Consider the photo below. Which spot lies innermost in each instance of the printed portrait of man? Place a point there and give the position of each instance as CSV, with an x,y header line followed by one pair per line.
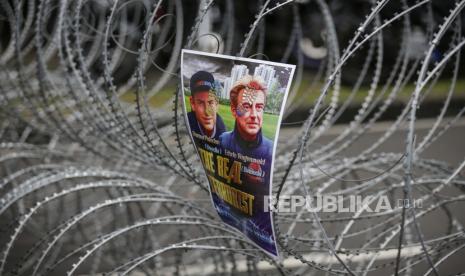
x,y
247,100
203,118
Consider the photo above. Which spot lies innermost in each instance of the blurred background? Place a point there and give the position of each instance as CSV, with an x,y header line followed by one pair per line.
x,y
98,174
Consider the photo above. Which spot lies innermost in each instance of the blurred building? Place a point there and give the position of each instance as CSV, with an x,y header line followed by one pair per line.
x,y
237,72
267,73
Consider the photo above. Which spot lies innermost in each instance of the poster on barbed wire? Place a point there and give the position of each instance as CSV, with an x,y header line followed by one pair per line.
x,y
233,109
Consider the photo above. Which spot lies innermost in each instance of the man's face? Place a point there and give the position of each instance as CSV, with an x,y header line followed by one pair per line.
x,y
249,112
205,106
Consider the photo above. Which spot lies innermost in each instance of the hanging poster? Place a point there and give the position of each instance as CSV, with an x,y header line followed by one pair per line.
x,y
234,108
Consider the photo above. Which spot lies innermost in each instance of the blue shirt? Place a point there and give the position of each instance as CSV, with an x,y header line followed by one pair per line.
x,y
262,147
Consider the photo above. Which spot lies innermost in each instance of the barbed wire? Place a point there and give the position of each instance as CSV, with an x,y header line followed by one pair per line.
x,y
99,175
